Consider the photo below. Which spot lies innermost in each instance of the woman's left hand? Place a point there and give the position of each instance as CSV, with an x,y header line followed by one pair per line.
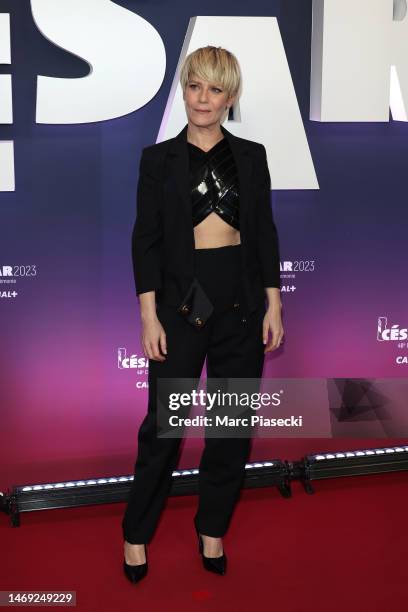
x,y
273,322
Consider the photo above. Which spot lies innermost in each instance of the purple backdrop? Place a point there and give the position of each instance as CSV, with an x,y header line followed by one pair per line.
x,y
70,408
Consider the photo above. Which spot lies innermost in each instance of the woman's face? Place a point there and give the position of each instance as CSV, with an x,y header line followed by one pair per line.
x,y
205,102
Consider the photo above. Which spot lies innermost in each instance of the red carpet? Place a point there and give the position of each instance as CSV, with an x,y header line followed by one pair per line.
x,y
342,549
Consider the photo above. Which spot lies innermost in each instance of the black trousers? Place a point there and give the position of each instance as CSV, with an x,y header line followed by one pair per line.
x,y
231,340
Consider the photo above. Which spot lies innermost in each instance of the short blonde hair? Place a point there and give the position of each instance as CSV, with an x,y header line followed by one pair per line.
x,y
215,65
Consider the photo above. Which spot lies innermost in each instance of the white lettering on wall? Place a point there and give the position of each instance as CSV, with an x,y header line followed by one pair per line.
x,y
359,70
125,53
359,60
7,182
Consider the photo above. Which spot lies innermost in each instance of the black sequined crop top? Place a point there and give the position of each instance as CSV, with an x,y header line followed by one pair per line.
x,y
214,183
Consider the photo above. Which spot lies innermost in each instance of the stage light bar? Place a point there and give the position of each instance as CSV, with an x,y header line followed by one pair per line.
x,y
42,496
354,463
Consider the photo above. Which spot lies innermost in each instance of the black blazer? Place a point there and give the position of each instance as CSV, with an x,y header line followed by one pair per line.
x,y
163,234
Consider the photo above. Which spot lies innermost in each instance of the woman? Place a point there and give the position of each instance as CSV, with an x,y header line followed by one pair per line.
x,y
205,256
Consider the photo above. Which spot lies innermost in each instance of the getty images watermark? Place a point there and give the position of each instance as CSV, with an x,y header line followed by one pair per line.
x,y
221,408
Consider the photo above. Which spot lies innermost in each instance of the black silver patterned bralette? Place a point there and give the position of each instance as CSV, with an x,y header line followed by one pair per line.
x,y
214,183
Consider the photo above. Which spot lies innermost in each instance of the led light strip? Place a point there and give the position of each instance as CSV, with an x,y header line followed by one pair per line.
x,y
361,453
113,480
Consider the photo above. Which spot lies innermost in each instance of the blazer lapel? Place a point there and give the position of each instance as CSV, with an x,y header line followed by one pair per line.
x,y
178,151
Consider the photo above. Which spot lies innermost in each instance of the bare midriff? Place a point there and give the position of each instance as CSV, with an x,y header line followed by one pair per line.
x,y
214,232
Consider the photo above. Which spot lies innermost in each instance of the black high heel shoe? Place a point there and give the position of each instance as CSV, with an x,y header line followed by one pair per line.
x,y
218,565
136,572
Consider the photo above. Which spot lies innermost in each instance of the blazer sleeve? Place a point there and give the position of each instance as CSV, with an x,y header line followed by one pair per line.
x,y
267,236
147,230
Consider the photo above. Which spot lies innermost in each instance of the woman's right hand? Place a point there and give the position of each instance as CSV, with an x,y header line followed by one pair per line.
x,y
153,338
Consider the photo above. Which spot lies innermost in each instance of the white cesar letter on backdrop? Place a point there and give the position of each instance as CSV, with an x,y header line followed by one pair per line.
x,y
267,109
359,60
113,41
399,63
6,108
